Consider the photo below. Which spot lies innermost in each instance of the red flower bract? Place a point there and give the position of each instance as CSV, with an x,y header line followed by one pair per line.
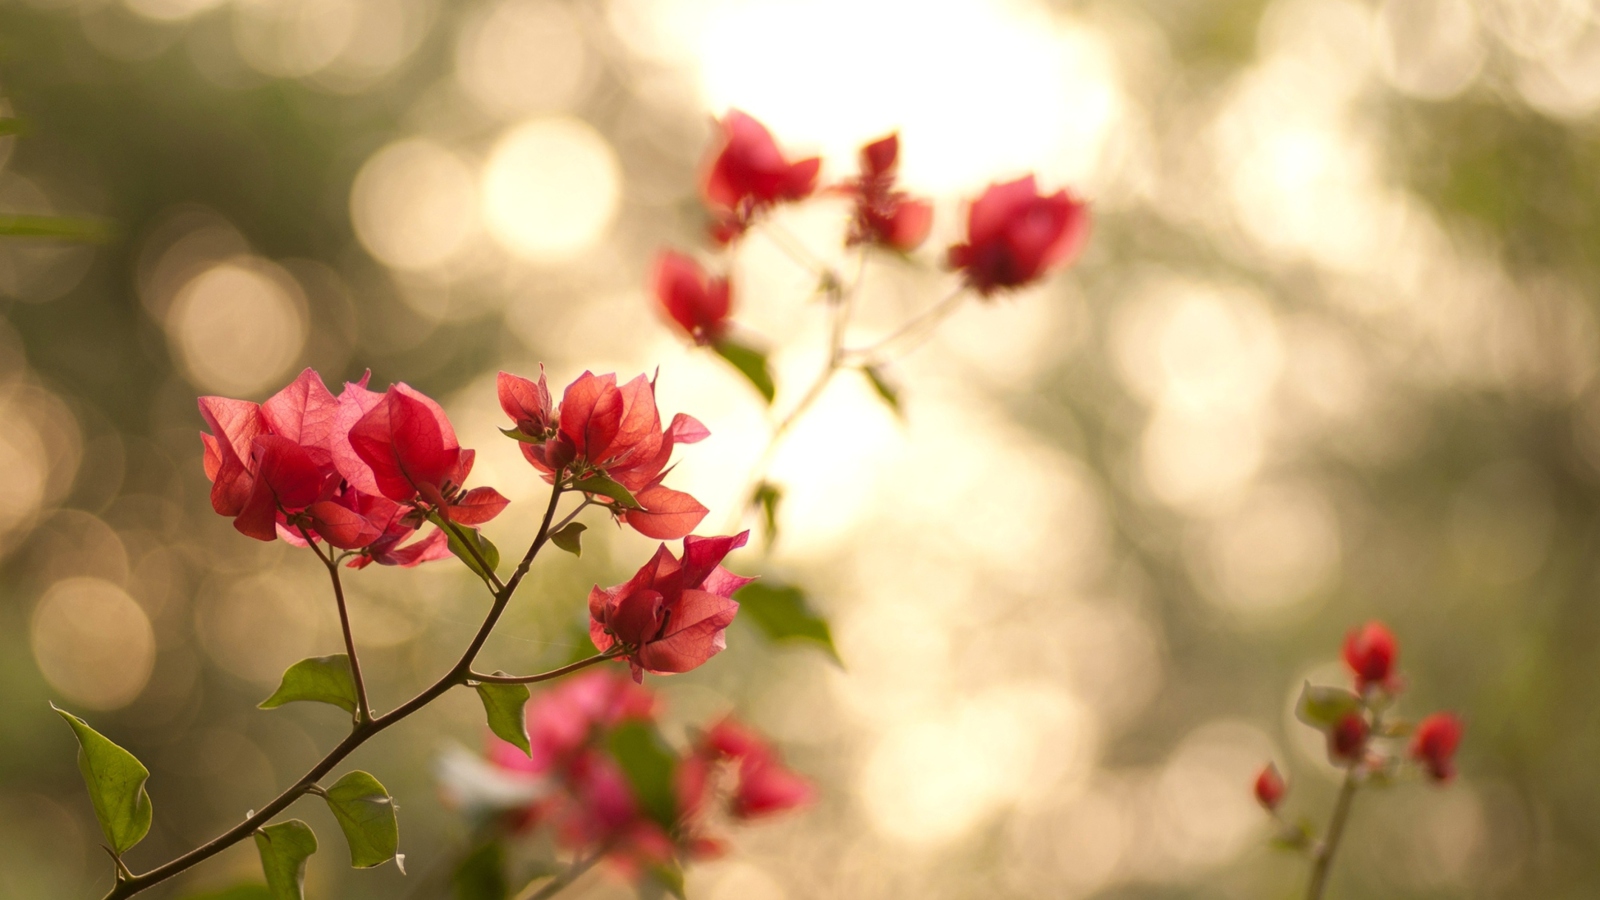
x,y
748,174
698,303
411,450
1434,744
1348,738
1370,653
1015,234
603,429
883,215
672,614
1270,787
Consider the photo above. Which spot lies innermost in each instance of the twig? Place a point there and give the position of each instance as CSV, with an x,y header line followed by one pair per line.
x,y
363,708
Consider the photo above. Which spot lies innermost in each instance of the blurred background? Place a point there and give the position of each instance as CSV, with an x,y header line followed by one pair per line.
x,y
1331,356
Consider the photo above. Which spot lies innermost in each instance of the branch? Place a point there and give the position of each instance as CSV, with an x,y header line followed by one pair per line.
x,y
560,882
363,732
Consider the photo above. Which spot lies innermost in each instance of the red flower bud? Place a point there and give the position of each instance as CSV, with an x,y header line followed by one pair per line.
x,y
1270,787
883,215
1370,652
1015,234
691,298
1434,744
1348,738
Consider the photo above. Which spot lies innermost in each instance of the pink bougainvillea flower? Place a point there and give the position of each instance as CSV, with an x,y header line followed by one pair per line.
x,y
390,548
407,443
748,175
761,785
672,615
1270,787
1015,235
528,405
1370,652
1434,744
603,429
882,215
697,302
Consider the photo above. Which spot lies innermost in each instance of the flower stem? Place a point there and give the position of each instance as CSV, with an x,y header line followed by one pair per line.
x,y
363,708
920,326
459,674
568,669
560,882
1322,857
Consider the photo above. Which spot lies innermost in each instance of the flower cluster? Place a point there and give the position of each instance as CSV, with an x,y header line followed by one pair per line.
x,y
602,437
1015,235
361,471
1353,723
600,778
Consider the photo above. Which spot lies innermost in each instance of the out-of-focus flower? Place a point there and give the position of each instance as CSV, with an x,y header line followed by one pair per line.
x,y
697,302
408,445
1434,744
1370,652
1270,787
882,215
1015,235
672,615
1348,738
603,429
748,175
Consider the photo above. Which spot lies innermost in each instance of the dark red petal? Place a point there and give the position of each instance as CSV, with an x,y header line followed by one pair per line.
x,y
258,517
879,157
343,528
523,400
290,472
591,409
909,225
702,555
636,618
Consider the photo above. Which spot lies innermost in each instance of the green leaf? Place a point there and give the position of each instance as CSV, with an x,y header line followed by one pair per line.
x,y
1296,837
649,765
750,362
570,538
116,786
248,891
517,435
485,547
605,487
1323,707
366,813
482,874
320,679
64,228
889,393
766,497
663,880
284,848
11,126
504,704
782,614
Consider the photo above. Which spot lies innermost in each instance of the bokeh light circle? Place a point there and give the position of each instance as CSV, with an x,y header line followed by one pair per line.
x,y
93,643
238,327
551,189
414,204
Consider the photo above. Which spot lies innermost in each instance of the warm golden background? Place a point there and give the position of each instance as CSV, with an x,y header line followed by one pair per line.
x,y
1331,355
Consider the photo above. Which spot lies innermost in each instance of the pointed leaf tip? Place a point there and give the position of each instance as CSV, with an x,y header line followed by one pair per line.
x,y
504,705
570,538
320,679
782,613
116,781
750,362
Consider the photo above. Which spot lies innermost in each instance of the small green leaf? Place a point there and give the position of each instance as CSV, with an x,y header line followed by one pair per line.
x,y
517,435
503,704
366,813
649,765
482,874
766,497
750,362
116,786
662,881
320,679
889,393
570,538
284,848
485,547
236,892
782,614
605,487
1323,707
63,228
1295,837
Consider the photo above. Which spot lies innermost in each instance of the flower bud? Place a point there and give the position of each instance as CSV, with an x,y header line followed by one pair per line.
x,y
1348,738
1434,744
1370,652
1270,787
